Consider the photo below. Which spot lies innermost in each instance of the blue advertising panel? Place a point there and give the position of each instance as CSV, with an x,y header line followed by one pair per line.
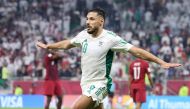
x,y
22,101
167,102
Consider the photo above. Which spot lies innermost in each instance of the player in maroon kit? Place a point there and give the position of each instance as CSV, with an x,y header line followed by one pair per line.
x,y
52,84
138,69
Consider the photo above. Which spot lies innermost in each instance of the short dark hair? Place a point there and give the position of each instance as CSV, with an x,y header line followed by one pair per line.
x,y
99,11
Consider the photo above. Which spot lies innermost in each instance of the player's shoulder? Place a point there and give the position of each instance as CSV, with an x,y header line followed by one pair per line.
x,y
115,38
110,33
82,34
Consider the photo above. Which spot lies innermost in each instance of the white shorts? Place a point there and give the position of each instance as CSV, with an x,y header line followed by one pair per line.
x,y
98,91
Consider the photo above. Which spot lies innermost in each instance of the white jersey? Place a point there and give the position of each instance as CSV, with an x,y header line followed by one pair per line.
x,y
97,55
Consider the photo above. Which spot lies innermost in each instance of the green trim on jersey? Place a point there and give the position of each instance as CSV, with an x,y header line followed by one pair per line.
x,y
109,60
122,41
113,34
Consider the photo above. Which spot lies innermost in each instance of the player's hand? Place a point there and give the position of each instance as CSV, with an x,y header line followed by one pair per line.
x,y
41,45
169,65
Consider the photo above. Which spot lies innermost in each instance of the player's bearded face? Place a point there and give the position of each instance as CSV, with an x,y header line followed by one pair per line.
x,y
92,23
92,29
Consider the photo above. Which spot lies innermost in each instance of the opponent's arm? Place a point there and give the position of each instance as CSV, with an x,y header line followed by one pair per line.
x,y
65,44
143,54
150,80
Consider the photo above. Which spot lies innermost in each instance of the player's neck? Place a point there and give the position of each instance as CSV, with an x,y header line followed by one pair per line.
x,y
96,34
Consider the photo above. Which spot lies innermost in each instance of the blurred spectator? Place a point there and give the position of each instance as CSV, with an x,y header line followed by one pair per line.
x,y
183,90
18,90
66,73
5,76
158,88
81,6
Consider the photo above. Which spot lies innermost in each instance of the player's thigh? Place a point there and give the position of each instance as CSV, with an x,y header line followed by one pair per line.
x,y
84,102
97,91
133,94
141,95
48,87
58,89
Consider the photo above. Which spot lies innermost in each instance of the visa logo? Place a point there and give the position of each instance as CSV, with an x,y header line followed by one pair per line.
x,y
11,101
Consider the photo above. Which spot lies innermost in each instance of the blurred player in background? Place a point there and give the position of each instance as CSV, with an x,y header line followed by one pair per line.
x,y
138,69
98,46
52,84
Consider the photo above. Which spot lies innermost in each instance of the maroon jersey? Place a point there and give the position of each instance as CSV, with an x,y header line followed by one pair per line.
x,y
138,69
51,67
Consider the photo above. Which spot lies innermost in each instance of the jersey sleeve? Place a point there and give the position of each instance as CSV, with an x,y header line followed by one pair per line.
x,y
77,40
120,45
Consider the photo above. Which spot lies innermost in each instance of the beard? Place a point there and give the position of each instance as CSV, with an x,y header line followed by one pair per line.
x,y
92,30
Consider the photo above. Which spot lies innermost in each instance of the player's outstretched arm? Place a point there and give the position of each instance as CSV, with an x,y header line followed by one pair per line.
x,y
65,44
143,54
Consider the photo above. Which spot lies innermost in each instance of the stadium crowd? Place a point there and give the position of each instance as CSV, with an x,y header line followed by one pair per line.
x,y
159,26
